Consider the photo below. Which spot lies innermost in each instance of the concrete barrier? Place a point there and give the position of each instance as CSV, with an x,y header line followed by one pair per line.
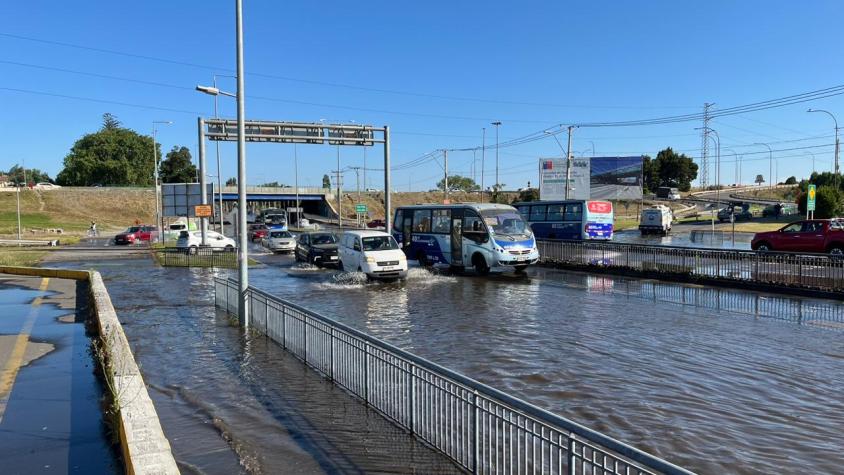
x,y
145,448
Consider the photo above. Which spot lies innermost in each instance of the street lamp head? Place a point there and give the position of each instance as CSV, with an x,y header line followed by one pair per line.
x,y
810,110
496,123
213,91
162,122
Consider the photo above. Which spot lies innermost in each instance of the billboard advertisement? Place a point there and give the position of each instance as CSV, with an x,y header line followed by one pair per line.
x,y
596,178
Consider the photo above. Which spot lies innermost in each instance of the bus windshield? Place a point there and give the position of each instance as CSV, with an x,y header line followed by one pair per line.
x,y
504,222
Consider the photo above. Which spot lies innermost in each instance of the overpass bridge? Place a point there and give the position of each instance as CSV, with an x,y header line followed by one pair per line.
x,y
312,200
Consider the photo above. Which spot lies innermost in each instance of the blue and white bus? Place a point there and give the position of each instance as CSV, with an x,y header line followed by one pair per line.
x,y
471,235
569,219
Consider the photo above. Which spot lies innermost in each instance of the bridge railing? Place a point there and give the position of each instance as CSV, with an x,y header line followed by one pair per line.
x,y
481,429
196,257
816,272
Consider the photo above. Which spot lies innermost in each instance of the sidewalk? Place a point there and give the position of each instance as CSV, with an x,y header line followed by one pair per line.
x,y
50,414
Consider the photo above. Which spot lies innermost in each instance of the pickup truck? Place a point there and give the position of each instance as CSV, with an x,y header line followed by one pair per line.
x,y
814,235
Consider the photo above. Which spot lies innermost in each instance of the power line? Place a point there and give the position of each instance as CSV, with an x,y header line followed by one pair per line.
x,y
101,101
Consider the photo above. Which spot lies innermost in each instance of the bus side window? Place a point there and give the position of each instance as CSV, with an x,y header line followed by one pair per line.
x,y
442,221
537,213
474,228
397,222
422,221
524,210
555,212
574,212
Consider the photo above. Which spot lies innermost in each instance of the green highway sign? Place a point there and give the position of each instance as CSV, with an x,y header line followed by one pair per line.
x,y
360,208
810,201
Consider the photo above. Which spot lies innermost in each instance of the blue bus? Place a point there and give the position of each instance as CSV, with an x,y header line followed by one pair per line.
x,y
469,235
569,219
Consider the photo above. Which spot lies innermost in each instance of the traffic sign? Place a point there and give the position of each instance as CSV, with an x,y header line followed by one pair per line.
x,y
810,202
360,208
202,211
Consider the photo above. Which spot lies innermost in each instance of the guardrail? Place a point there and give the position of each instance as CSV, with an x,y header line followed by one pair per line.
x,y
196,257
814,271
481,429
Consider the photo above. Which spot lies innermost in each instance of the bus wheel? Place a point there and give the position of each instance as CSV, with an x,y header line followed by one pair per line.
x,y
481,268
521,269
423,259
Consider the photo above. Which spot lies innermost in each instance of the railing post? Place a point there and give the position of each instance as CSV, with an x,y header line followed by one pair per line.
x,y
476,447
305,333
266,315
412,398
800,271
572,459
284,326
331,342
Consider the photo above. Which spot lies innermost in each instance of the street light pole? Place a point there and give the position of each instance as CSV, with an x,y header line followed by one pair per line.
x,y
339,193
242,253
483,158
497,182
159,219
837,145
296,183
717,172
445,169
770,164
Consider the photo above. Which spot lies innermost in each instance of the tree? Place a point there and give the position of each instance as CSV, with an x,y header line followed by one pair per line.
x,y
273,184
177,167
458,183
650,171
823,179
326,182
31,175
792,180
674,170
231,181
111,156
829,202
528,194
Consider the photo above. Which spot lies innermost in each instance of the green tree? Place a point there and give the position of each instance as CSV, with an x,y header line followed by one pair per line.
x,y
527,194
675,170
792,180
231,181
458,183
273,184
823,179
326,182
650,172
111,156
177,167
829,202
33,175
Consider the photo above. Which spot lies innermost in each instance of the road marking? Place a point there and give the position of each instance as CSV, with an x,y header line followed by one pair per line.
x,y
10,372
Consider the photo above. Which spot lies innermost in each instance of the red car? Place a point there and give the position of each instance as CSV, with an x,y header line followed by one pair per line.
x,y
814,235
376,223
137,234
258,232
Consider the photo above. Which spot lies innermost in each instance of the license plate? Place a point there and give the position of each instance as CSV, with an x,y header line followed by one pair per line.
x,y
333,258
388,268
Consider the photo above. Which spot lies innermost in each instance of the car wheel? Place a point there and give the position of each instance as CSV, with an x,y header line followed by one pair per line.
x,y
837,251
423,259
481,267
192,250
229,248
340,266
764,247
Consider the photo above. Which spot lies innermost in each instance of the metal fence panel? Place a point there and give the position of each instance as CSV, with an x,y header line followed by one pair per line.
x,y
480,428
816,272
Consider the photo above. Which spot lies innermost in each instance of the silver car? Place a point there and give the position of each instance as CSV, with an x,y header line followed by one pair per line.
x,y
279,241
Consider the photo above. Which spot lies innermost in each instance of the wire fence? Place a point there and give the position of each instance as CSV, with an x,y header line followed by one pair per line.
x,y
481,429
815,272
196,257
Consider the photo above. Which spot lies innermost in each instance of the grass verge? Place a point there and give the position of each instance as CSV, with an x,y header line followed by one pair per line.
x,y
17,257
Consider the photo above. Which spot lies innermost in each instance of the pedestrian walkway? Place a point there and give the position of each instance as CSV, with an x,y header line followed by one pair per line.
x,y
50,399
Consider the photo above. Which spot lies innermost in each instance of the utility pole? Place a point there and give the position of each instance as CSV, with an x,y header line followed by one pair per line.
x,y
339,192
704,147
497,182
568,163
296,183
483,157
18,193
357,179
364,167
242,250
445,168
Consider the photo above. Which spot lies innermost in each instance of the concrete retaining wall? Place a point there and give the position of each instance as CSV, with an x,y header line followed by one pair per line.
x,y
145,448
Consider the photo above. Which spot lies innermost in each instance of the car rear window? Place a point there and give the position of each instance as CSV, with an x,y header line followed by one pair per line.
x,y
323,239
280,234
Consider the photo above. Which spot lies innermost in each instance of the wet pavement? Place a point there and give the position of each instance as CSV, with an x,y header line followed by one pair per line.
x,y
51,419
725,381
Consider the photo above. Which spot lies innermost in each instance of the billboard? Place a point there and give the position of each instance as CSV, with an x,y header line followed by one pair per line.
x,y
180,199
596,178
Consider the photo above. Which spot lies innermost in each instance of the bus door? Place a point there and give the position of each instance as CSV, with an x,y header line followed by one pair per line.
x,y
406,228
457,237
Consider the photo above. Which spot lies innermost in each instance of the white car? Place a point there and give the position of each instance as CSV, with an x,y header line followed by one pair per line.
x,y
46,186
190,241
279,241
375,253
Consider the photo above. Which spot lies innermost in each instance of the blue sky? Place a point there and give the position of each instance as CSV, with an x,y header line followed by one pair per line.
x,y
436,72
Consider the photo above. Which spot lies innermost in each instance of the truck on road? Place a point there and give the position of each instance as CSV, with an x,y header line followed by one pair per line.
x,y
656,220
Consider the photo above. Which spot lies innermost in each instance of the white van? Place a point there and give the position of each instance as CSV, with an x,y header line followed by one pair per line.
x,y
375,253
656,220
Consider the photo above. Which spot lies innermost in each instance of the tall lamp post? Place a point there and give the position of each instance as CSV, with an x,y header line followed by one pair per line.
x,y
568,157
717,172
483,158
159,219
217,146
770,164
497,183
213,91
837,147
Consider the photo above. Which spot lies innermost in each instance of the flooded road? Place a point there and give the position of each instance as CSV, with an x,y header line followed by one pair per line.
x,y
716,383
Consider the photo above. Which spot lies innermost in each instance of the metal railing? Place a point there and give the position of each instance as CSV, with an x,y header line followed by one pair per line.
x,y
198,257
815,272
481,429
